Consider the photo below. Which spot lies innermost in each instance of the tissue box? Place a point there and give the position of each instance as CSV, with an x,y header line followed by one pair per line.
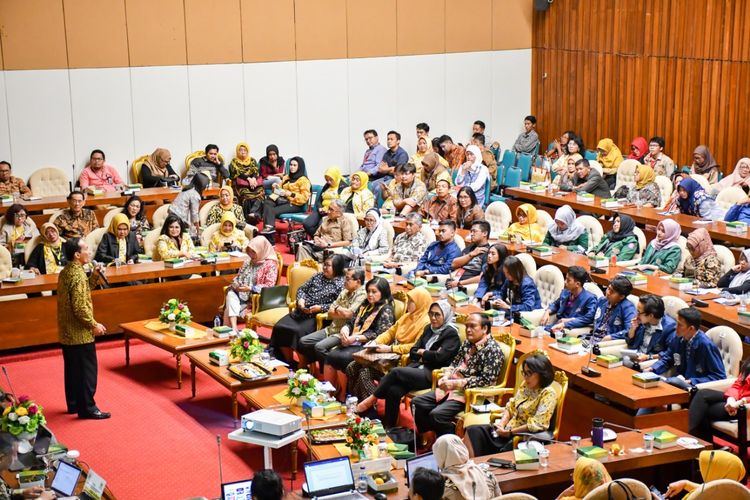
x,y
458,299
222,332
538,188
635,278
415,282
646,380
219,357
681,283
542,250
585,198
664,439
736,227
610,203
525,186
593,452
608,360
526,459
744,317
569,343
595,261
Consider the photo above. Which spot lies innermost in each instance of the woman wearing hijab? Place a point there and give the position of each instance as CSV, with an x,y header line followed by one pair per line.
x,y
118,243
435,348
621,241
260,271
709,405
705,164
638,149
424,146
737,280
468,208
530,411
372,239
48,257
646,191
331,191
609,157
358,197
714,464
673,205
526,227
703,264
228,238
740,177
694,200
371,319
473,173
271,166
564,179
567,232
433,170
464,480
493,277
156,170
588,474
399,339
247,182
225,205
663,253
289,197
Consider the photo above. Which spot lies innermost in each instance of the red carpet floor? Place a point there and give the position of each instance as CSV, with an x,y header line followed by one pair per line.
x,y
159,443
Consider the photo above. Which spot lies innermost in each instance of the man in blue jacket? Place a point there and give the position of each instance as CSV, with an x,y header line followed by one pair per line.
x,y
651,331
576,306
614,312
439,255
692,354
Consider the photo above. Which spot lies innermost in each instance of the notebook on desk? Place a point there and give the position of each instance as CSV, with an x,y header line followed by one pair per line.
x,y
331,479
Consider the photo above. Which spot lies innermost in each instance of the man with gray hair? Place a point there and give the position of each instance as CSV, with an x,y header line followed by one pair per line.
x,y
408,246
335,231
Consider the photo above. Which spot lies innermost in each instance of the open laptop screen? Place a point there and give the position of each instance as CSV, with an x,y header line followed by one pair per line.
x,y
65,479
326,477
427,461
238,490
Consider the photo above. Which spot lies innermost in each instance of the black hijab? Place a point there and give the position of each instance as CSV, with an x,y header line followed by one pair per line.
x,y
301,170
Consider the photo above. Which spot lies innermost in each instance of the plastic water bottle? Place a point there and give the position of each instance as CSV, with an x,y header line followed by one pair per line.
x,y
217,321
362,480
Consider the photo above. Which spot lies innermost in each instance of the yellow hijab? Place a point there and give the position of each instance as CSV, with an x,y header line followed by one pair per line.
x,y
646,176
410,326
613,156
531,231
587,475
43,233
334,172
247,161
363,180
116,221
227,217
231,198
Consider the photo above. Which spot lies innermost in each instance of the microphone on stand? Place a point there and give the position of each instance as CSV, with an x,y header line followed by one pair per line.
x,y
221,474
587,370
633,429
534,437
10,385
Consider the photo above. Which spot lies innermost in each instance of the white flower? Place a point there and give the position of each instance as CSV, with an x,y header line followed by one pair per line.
x,y
24,420
253,334
305,377
12,417
171,317
296,391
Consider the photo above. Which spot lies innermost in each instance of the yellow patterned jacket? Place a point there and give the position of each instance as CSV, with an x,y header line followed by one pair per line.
x,y
75,311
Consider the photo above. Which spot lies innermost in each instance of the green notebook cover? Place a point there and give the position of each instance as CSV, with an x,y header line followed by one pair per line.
x,y
592,452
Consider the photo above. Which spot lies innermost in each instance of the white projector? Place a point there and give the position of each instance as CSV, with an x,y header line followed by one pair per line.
x,y
271,422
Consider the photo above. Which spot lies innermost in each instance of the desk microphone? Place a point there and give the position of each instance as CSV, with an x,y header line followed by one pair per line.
x,y
587,370
534,437
10,385
221,474
633,429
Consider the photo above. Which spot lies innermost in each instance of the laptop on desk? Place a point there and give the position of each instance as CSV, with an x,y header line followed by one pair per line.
x,y
426,460
331,479
238,490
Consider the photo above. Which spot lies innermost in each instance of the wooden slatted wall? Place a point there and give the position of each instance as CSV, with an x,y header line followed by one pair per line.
x,y
623,68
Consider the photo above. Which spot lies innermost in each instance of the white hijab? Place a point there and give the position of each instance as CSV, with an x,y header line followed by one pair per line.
x,y
573,229
477,156
741,277
371,237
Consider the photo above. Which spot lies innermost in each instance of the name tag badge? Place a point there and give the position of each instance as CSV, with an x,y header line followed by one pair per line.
x,y
677,359
598,314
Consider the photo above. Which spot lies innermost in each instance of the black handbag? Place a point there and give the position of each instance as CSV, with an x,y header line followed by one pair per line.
x,y
402,435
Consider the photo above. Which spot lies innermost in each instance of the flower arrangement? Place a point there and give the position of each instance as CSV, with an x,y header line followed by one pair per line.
x,y
245,345
302,385
359,433
175,311
25,416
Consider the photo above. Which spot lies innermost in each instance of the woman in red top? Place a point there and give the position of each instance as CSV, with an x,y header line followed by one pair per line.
x,y
709,406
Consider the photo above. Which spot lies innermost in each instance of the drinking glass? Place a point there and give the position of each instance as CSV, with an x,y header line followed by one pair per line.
x,y
575,441
743,301
648,443
543,457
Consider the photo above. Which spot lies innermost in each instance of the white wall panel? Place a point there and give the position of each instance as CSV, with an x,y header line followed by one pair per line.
x,y
373,95
217,108
4,131
161,111
468,91
511,94
421,96
323,115
102,116
271,108
41,125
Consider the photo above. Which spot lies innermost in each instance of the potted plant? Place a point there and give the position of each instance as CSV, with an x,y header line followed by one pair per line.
x,y
175,312
245,345
302,386
360,432
21,420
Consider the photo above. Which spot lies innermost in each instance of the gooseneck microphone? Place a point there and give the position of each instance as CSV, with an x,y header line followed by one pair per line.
x,y
633,429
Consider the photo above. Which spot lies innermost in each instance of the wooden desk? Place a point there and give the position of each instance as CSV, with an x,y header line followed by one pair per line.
x,y
199,359
170,343
11,480
263,398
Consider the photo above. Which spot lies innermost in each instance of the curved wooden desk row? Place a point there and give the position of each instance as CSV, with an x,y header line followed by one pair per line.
x,y
648,216
33,321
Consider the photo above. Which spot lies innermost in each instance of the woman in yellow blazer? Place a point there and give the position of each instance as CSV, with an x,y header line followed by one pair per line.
x,y
289,197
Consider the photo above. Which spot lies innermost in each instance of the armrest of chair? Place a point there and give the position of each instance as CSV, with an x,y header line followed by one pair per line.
x,y
612,346
436,374
718,385
495,414
628,263
535,317
493,391
577,332
319,319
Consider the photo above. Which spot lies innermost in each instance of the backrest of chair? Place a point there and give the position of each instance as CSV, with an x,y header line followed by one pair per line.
x,y
389,232
280,268
192,156
665,187
593,288
399,308
726,257
524,163
561,388
641,241
593,227
49,181
459,241
550,282
296,277
315,190
160,215
634,300
596,166
53,217
672,305
149,242
544,220
508,346
729,196
528,263
730,347
700,179
621,489
30,246
626,173
110,215
509,158
203,213
461,327
136,167
499,216
6,263
517,495
94,238
353,221
590,155
208,233
720,489
428,233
